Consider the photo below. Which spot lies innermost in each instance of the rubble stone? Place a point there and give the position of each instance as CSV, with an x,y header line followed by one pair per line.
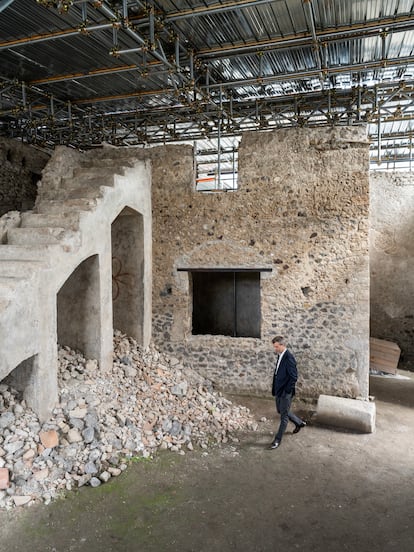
x,y
49,439
104,419
4,478
21,500
6,420
74,436
95,482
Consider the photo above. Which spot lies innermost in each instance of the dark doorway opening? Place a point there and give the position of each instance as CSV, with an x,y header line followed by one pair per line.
x,y
226,303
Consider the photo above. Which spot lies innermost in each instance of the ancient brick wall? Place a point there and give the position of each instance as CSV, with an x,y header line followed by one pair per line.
x,y
20,169
392,260
301,210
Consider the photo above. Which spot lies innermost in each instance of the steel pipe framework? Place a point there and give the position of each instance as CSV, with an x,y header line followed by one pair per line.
x,y
196,90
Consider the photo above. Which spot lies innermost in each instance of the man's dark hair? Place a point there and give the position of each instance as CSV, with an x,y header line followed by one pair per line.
x,y
280,339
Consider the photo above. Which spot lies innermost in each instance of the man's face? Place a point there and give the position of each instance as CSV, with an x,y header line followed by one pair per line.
x,y
278,347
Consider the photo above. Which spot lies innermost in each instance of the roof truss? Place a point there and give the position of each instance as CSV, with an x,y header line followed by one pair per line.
x,y
140,72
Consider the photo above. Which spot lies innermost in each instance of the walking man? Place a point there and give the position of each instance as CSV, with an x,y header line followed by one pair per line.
x,y
283,389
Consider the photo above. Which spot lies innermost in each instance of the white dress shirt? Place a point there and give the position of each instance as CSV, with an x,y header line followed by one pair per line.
x,y
279,359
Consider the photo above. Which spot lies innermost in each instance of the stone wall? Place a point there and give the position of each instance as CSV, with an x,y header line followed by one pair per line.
x,y
20,169
301,210
392,260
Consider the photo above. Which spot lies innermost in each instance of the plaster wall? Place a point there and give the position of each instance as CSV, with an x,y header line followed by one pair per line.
x,y
301,210
392,260
69,286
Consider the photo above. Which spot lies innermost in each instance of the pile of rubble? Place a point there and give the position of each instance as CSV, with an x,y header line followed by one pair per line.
x,y
147,402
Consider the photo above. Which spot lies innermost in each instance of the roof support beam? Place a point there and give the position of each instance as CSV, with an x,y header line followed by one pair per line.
x,y
357,31
353,31
52,36
142,42
307,74
216,8
172,92
249,113
5,4
315,40
315,72
93,73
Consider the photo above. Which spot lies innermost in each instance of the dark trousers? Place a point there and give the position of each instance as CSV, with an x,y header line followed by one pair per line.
x,y
283,407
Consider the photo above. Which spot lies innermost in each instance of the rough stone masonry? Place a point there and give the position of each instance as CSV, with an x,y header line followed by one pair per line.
x,y
302,210
20,171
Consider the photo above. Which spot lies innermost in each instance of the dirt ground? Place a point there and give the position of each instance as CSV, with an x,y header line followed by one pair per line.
x,y
323,490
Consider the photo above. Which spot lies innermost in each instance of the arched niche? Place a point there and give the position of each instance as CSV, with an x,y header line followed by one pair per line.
x,y
79,308
127,236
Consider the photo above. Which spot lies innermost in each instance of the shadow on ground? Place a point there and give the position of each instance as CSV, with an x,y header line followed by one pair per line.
x,y
322,490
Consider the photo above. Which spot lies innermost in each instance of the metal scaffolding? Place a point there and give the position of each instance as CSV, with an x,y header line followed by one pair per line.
x,y
128,72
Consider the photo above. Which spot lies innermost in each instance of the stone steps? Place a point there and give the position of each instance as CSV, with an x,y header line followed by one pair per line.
x,y
43,247
55,221
10,282
95,191
58,207
44,236
108,157
88,193
90,186
70,183
22,253
99,169
107,161
38,220
19,269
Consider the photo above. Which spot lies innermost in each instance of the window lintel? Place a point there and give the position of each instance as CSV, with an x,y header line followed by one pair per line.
x,y
217,269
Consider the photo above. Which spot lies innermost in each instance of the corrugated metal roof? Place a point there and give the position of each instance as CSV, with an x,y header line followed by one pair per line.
x,y
256,65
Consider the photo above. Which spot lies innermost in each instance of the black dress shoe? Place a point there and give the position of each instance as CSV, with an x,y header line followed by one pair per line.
x,y
299,427
274,445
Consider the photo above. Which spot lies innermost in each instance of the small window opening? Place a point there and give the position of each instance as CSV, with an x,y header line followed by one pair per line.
x,y
217,164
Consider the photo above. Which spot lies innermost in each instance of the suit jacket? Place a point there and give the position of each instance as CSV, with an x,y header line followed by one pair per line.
x,y
285,378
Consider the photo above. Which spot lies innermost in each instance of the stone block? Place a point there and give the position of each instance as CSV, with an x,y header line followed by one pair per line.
x,y
345,413
4,478
383,355
78,413
41,475
74,436
49,439
21,500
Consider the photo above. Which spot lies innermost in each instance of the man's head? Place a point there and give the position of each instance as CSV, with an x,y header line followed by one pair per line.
x,y
279,344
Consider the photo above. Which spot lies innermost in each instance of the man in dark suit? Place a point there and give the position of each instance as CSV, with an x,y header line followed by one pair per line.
x,y
283,389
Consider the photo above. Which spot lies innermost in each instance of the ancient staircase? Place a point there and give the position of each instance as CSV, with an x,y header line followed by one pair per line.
x,y
71,222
